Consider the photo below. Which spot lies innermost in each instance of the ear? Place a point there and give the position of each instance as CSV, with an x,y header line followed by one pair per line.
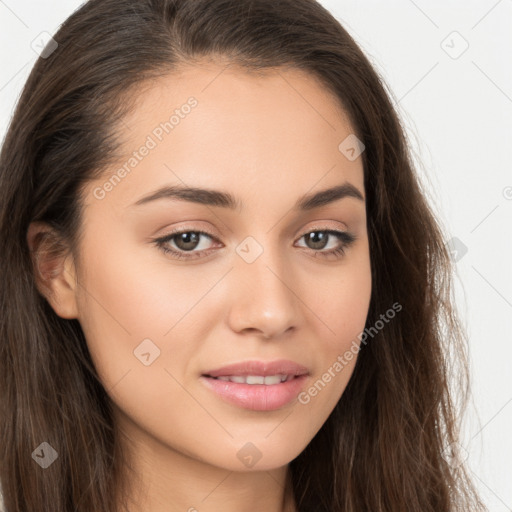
x,y
53,269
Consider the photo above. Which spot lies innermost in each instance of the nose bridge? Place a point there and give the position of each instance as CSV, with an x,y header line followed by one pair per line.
x,y
263,269
263,298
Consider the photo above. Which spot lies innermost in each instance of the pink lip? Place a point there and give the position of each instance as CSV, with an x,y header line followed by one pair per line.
x,y
263,368
258,397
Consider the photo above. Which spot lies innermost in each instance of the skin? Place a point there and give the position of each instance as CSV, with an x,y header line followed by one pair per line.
x,y
267,139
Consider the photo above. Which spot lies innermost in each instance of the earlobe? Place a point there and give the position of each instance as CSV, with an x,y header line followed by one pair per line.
x,y
53,269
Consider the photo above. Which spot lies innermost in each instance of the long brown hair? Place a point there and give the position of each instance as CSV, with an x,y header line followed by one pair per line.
x,y
384,446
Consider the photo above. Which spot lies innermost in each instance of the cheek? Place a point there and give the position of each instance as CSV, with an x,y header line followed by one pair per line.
x,y
121,302
342,310
131,289
131,296
343,302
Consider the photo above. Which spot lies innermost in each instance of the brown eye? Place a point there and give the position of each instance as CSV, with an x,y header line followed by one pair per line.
x,y
184,244
318,240
187,241
187,244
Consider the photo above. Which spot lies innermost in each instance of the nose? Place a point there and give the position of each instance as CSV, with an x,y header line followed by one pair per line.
x,y
262,296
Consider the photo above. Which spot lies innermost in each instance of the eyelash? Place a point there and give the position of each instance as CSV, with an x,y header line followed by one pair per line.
x,y
347,239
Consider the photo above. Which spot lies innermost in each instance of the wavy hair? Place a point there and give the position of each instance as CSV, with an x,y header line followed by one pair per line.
x,y
383,448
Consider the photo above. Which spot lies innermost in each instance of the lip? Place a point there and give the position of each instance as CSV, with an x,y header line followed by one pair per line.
x,y
257,397
264,368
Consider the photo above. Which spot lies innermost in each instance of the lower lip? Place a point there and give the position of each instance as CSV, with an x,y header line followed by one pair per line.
x,y
256,397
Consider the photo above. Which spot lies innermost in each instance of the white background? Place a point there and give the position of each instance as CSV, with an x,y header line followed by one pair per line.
x,y
458,113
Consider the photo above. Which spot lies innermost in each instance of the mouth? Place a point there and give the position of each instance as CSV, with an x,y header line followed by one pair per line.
x,y
257,385
268,380
256,392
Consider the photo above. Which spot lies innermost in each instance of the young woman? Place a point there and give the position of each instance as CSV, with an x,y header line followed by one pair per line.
x,y
223,287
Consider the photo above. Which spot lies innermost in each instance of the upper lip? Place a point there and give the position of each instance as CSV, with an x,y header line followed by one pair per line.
x,y
263,368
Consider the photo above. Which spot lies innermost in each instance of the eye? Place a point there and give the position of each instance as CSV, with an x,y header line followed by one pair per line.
x,y
188,244
185,241
320,239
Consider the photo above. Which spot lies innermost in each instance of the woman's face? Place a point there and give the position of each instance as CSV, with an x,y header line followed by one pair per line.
x,y
263,284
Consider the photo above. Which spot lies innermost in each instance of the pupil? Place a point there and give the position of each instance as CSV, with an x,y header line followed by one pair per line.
x,y
318,237
187,238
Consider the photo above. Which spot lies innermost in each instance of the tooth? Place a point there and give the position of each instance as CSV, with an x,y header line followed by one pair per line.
x,y
269,380
255,379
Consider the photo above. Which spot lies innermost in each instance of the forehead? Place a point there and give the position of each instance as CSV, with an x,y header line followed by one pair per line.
x,y
219,126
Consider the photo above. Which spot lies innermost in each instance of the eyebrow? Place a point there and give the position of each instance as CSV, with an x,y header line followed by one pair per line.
x,y
226,200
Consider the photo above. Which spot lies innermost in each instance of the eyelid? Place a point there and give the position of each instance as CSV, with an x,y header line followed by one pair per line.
x,y
186,229
196,229
324,227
